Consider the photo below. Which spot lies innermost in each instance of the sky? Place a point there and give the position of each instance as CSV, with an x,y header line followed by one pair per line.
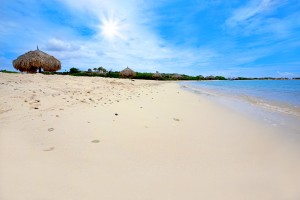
x,y
253,38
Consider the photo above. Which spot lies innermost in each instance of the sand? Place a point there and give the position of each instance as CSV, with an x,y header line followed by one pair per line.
x,y
75,138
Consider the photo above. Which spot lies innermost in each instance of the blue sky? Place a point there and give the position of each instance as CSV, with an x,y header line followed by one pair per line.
x,y
252,38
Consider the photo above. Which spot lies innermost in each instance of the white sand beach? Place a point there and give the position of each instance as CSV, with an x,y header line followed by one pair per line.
x,y
91,138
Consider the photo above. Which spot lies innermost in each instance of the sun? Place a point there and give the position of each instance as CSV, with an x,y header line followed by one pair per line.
x,y
110,29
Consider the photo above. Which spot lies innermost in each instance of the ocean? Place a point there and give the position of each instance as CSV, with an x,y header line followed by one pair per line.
x,y
277,102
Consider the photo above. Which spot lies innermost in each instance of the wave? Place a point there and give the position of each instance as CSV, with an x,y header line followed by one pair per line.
x,y
271,106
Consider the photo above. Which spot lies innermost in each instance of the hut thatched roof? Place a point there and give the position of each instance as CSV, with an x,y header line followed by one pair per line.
x,y
157,75
127,73
34,60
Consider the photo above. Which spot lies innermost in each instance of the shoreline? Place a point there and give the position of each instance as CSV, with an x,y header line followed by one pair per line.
x,y
94,138
275,113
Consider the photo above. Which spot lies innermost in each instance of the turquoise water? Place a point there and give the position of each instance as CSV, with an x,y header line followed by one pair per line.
x,y
277,101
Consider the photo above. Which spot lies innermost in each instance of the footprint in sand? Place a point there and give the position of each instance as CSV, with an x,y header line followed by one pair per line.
x,y
49,149
50,129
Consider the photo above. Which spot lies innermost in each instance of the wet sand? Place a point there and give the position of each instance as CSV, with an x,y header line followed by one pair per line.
x,y
64,137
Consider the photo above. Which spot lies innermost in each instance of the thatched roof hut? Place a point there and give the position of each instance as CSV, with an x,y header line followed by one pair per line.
x,y
36,60
157,75
127,73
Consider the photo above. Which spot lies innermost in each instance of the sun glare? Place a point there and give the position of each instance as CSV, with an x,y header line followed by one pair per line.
x,y
111,29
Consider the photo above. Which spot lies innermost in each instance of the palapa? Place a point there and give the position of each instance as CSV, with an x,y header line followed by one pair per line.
x,y
36,60
127,73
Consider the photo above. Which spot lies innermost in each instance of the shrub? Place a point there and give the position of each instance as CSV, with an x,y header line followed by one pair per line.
x,y
74,70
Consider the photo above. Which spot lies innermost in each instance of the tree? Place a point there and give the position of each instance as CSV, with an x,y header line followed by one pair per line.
x,y
200,77
210,77
102,69
74,70
220,78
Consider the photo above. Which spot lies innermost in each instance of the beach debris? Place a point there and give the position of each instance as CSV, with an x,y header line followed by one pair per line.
x,y
49,149
175,119
36,108
50,129
116,114
95,141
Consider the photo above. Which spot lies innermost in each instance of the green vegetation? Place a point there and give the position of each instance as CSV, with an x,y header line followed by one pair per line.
x,y
48,73
144,75
9,72
112,74
102,72
220,78
74,70
102,69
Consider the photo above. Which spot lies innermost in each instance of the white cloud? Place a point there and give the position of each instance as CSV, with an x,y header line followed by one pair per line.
x,y
286,74
55,44
253,9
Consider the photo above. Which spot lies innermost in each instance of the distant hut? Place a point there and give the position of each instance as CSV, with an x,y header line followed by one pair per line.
x,y
157,75
127,73
36,60
176,76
